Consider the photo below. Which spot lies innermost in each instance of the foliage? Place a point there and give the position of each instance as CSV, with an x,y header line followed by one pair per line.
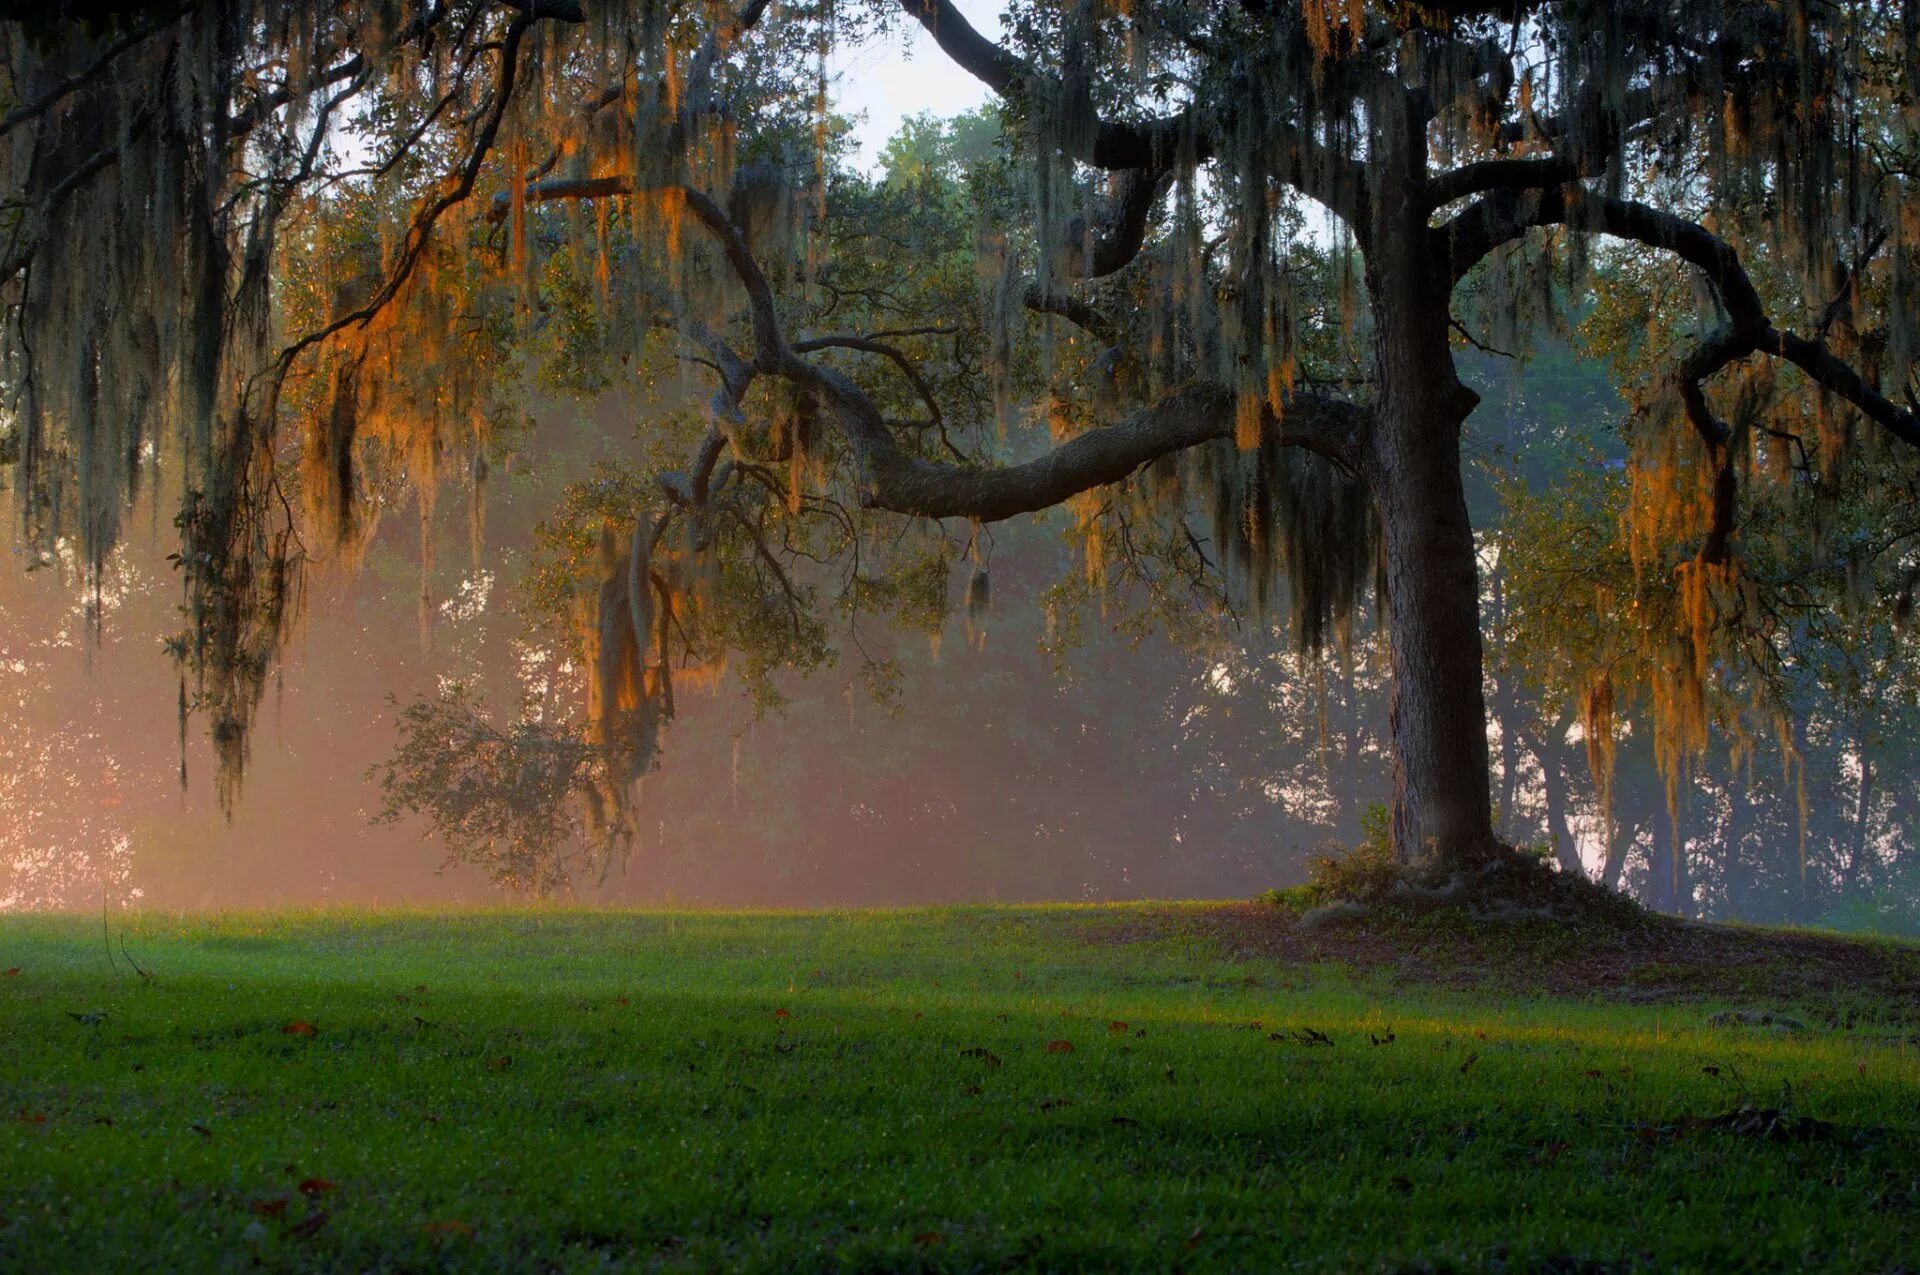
x,y
502,799
1116,307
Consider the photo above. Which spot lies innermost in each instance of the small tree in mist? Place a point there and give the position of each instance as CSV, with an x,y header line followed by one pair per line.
x,y
1222,264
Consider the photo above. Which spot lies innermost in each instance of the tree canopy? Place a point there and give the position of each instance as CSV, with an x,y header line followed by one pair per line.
x,y
1207,291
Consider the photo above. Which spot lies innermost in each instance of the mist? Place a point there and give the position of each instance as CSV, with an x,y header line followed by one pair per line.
x,y
1004,767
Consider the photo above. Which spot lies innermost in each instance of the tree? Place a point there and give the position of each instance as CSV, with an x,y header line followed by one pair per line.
x,y
1202,342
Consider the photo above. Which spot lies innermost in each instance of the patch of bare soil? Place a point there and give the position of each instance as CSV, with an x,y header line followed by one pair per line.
x,y
1829,979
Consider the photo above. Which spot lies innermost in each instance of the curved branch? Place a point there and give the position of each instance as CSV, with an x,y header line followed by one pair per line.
x,y
1187,417
1581,210
893,481
421,229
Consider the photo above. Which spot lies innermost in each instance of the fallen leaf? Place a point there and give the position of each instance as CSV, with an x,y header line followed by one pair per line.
x,y
1117,1028
1592,1073
1471,1060
781,1014
1387,1039
13,973
309,1226
1709,1071
201,1129
1125,1122
92,1018
984,1054
450,1226
501,1063
1059,1046
1048,1104
1553,1150
621,1000
1003,1018
1139,1032
928,1237
1193,1241
106,1120
1312,1036
311,1187
26,1117
971,1091
917,1016
276,1207
297,1027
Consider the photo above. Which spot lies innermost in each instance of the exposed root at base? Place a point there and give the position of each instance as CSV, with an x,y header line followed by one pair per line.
x,y
1508,886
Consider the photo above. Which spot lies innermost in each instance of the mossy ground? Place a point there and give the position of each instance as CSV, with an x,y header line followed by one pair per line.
x,y
1146,1087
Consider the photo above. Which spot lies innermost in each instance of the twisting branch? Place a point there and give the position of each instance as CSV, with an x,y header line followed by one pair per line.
x,y
1154,147
893,354
1493,221
421,229
894,481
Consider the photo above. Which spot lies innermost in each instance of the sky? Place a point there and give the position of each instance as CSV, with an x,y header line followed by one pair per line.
x,y
903,75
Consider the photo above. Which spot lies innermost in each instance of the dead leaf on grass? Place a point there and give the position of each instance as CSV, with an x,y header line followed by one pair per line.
x,y
926,1238
782,1014
12,973
309,1226
981,1052
298,1027
1116,1028
313,1187
276,1207
1059,1046
449,1226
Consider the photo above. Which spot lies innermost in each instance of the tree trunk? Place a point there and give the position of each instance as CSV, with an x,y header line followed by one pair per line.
x,y
1441,776
1862,813
1734,838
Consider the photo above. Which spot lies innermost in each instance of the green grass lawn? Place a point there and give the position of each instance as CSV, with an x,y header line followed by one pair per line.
x,y
949,1089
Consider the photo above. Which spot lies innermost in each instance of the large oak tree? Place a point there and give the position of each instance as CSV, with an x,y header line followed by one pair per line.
x,y
1249,237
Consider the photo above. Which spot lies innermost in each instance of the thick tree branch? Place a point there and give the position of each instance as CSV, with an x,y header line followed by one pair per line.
x,y
1717,259
894,481
1154,147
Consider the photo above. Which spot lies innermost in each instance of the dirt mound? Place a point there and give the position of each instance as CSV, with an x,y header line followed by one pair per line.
x,y
1829,979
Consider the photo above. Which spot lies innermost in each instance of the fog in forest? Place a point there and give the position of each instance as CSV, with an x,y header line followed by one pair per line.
x,y
1111,767
1057,748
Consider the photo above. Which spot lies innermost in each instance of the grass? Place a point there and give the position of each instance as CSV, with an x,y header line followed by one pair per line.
x,y
895,1090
